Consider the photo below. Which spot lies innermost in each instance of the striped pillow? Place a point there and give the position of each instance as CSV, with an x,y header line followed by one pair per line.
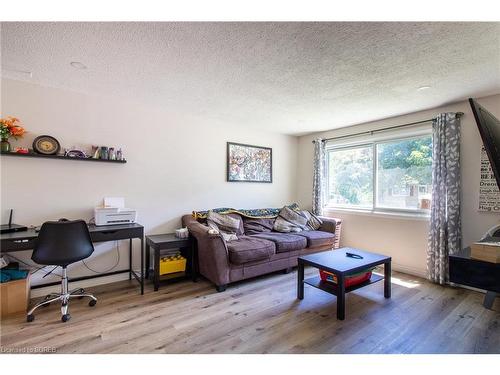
x,y
290,221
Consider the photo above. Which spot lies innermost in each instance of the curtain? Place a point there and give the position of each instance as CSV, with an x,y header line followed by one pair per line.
x,y
318,176
445,226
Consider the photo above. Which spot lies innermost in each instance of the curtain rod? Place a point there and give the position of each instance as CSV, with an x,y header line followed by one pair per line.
x,y
371,132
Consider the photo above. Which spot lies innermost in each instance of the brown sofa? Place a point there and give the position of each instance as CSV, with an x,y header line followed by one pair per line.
x,y
258,250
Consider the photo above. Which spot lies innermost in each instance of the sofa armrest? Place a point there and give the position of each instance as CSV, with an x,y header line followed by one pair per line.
x,y
332,225
212,251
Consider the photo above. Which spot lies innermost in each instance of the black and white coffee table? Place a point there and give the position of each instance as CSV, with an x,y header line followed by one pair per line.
x,y
342,265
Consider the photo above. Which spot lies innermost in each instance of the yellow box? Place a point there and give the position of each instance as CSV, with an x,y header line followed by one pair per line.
x,y
172,264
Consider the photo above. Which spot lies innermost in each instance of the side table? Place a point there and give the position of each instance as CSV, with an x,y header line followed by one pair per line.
x,y
167,241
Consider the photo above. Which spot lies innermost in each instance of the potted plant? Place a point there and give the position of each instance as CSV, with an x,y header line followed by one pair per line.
x,y
10,127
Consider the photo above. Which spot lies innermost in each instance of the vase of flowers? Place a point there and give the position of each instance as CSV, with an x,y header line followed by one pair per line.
x,y
10,127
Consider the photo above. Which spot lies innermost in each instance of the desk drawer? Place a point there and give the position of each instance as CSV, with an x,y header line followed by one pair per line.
x,y
116,234
18,245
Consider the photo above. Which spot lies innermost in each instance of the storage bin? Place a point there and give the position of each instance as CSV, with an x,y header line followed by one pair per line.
x,y
486,251
15,296
349,280
172,264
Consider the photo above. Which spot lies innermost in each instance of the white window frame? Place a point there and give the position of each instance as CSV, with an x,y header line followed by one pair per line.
x,y
373,141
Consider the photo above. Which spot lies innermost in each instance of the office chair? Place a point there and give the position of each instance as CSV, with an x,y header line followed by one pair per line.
x,y
61,243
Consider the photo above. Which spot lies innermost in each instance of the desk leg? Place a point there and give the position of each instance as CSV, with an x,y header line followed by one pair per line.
x,y
489,299
142,265
156,269
148,260
341,298
194,271
130,259
300,280
387,280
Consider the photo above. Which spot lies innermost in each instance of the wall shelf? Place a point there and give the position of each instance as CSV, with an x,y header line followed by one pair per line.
x,y
59,157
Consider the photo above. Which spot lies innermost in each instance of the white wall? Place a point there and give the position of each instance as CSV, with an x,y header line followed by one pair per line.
x,y
176,163
402,238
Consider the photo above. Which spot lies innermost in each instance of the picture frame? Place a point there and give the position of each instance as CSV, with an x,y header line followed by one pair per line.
x,y
249,163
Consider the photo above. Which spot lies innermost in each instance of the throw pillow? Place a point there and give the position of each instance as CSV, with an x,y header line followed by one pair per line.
x,y
225,225
290,221
313,222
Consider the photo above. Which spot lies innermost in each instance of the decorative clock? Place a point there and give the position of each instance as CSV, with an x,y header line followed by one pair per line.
x,y
47,145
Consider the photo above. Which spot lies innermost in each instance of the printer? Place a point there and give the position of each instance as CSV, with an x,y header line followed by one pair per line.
x,y
113,212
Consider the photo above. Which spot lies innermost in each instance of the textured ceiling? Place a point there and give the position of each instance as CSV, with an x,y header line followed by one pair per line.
x,y
292,78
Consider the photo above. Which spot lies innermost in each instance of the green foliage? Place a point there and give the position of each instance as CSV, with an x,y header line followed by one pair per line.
x,y
406,154
411,158
351,176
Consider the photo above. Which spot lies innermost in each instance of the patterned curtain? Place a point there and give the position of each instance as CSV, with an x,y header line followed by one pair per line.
x,y
445,226
318,176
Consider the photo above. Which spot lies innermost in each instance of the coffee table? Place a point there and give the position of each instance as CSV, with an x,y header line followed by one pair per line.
x,y
337,262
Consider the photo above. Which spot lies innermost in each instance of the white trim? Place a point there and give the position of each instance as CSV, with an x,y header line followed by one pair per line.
x,y
375,213
409,270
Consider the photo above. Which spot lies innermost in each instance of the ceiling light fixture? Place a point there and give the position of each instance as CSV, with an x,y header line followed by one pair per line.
x,y
421,88
78,65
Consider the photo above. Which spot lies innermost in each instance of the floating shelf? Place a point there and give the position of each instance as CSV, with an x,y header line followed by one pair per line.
x,y
59,157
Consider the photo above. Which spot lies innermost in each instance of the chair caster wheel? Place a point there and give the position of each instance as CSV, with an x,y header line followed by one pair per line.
x,y
65,317
92,302
30,318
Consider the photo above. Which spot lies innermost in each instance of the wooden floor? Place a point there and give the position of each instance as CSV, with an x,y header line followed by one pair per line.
x,y
263,316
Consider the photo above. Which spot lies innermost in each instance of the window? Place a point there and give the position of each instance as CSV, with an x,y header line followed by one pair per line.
x,y
384,175
351,177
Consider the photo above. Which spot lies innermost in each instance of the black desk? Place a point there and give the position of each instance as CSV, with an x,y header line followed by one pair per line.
x,y
21,241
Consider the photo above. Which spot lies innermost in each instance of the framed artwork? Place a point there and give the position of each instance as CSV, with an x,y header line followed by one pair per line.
x,y
247,163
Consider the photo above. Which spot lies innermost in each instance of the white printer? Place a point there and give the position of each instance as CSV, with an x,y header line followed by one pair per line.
x,y
113,212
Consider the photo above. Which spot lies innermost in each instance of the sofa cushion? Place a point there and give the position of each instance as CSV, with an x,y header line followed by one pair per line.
x,y
284,242
248,249
317,238
255,226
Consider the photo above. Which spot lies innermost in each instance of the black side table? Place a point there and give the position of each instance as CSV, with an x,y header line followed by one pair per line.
x,y
169,241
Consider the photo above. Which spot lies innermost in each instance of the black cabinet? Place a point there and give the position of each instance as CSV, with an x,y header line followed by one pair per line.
x,y
475,273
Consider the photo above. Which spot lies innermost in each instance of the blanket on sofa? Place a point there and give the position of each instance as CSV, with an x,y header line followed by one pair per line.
x,y
258,213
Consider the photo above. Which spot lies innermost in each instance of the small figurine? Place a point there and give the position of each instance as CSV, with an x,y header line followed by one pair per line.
x,y
21,150
75,153
95,152
119,154
104,153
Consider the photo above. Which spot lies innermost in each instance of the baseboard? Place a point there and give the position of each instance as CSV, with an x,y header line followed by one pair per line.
x,y
79,284
409,270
